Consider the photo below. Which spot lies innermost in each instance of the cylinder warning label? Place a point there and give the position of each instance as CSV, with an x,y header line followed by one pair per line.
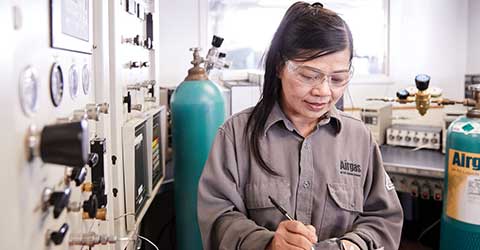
x,y
463,197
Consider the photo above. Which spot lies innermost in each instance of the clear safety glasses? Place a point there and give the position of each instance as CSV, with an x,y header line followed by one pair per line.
x,y
312,76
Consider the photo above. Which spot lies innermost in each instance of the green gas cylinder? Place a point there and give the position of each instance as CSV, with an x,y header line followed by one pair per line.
x,y
460,222
197,108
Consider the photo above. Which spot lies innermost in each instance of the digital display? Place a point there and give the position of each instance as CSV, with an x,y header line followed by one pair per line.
x,y
156,149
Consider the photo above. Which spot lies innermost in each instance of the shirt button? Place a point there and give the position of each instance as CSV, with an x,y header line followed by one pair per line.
x,y
306,184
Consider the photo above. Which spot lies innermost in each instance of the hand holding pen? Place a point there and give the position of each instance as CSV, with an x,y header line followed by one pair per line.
x,y
292,233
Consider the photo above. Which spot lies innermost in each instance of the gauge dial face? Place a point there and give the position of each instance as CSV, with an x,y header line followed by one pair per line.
x,y
73,81
86,79
56,84
28,89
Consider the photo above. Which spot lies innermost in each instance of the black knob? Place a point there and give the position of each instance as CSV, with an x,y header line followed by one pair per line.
x,y
148,43
59,200
136,40
145,64
402,94
222,55
91,206
93,159
57,236
217,41
128,100
79,175
65,144
422,81
151,90
134,64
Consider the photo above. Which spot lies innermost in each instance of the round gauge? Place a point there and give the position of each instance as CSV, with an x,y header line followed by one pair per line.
x,y
56,84
73,81
85,79
28,88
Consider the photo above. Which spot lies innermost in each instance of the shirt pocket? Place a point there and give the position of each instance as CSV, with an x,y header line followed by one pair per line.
x,y
259,207
344,202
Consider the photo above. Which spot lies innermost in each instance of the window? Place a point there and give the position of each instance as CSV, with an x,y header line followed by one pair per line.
x,y
248,27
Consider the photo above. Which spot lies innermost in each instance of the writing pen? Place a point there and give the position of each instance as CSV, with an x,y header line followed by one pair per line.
x,y
280,208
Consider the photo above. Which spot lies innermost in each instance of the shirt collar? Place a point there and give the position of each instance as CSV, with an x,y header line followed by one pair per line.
x,y
277,115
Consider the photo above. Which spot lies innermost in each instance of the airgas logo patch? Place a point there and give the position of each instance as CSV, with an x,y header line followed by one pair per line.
x,y
350,168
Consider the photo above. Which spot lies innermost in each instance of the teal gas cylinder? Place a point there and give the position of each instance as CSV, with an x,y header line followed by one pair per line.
x,y
197,108
460,222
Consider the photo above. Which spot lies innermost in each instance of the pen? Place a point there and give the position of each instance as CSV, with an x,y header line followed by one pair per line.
x,y
280,208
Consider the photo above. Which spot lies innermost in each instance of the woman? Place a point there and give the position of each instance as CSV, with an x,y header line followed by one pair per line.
x,y
318,163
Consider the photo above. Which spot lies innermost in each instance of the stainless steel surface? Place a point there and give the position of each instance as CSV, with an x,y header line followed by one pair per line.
x,y
427,163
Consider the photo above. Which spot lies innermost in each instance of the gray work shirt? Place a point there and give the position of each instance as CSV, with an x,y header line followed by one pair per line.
x,y
333,179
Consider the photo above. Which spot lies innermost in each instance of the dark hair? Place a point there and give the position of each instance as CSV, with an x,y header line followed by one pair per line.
x,y
307,31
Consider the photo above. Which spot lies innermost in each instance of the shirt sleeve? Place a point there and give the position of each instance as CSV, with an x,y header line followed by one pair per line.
x,y
221,210
380,224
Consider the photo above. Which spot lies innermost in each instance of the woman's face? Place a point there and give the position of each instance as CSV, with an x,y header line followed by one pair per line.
x,y
311,88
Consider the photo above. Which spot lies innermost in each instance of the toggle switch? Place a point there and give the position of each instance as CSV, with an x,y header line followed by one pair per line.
x,y
78,175
57,236
58,199
136,40
92,160
145,64
134,64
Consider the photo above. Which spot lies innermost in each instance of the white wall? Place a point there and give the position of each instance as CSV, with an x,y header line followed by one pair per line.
x,y
473,55
428,36
180,27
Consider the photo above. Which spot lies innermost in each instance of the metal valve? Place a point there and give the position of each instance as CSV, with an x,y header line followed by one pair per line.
x,y
137,107
93,110
58,199
56,237
91,239
63,144
136,87
150,99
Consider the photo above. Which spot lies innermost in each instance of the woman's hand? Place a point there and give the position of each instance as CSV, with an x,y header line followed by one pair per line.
x,y
293,235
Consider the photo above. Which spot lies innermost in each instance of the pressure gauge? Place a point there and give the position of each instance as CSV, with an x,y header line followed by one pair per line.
x,y
85,79
28,88
56,84
73,81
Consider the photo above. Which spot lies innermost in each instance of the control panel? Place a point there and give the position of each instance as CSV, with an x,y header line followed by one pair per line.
x,y
416,136
78,74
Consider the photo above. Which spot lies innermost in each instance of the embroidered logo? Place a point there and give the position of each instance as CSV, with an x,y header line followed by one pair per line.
x,y
350,168
388,183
